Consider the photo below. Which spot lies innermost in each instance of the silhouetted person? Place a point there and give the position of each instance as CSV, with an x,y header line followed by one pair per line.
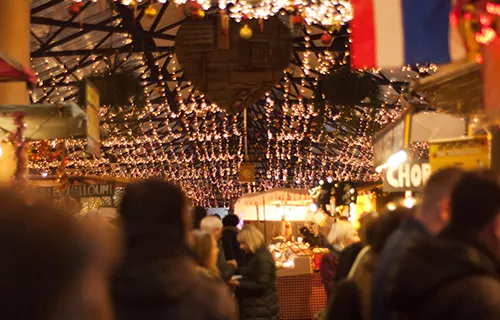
x,y
232,249
52,265
198,214
430,218
159,278
457,275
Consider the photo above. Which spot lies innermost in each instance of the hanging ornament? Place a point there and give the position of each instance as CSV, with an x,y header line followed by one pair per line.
x,y
133,4
246,32
75,8
191,8
297,19
326,39
200,14
150,11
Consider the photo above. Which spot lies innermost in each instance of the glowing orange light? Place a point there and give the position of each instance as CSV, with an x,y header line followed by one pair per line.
x,y
493,8
486,36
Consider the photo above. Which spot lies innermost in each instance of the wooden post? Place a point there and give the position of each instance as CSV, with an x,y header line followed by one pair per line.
x,y
15,43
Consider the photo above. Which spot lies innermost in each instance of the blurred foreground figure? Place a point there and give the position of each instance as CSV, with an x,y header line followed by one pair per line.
x,y
457,275
52,265
159,278
429,219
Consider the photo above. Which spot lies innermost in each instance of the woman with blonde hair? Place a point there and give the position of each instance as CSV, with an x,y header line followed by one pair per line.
x,y
256,290
206,251
342,234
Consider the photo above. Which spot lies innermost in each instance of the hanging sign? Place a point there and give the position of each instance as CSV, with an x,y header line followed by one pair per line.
x,y
406,177
92,104
467,153
78,191
392,139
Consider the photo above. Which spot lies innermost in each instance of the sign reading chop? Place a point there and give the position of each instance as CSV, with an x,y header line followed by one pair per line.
x,y
406,177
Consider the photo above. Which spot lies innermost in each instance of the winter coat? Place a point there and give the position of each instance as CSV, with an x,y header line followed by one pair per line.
x,y
328,270
231,245
362,275
317,241
398,242
169,288
346,260
226,269
257,293
452,277
346,304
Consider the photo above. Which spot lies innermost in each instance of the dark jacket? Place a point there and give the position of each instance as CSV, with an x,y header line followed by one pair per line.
x,y
346,260
171,288
346,304
398,242
317,241
328,270
232,250
226,269
451,277
257,290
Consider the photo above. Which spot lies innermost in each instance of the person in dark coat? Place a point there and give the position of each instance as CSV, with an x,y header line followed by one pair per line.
x,y
429,219
232,250
198,214
256,290
315,238
346,304
159,278
457,275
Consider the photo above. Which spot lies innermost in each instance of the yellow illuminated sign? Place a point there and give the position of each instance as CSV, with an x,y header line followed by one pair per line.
x,y
466,153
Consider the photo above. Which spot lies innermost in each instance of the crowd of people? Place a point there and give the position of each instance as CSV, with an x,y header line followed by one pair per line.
x,y
437,261
166,260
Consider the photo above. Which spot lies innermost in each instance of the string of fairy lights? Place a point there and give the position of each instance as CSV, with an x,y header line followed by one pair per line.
x,y
178,135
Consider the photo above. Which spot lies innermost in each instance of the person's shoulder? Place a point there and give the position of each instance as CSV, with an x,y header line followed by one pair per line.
x,y
213,298
475,296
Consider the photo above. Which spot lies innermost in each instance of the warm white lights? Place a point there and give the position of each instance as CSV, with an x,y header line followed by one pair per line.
x,y
324,12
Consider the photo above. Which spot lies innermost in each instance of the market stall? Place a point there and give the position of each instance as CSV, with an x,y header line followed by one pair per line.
x,y
300,291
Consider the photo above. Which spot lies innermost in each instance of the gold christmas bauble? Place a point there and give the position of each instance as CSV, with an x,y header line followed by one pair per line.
x,y
246,32
150,11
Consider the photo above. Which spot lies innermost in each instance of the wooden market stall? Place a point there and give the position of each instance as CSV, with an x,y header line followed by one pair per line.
x,y
300,291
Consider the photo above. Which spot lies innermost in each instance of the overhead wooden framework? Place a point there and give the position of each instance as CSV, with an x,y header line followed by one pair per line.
x,y
178,135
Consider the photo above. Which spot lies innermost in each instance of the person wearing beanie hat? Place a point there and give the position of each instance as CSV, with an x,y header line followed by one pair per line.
x,y
158,278
457,275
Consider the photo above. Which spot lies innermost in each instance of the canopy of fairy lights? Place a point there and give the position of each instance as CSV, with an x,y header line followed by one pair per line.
x,y
177,134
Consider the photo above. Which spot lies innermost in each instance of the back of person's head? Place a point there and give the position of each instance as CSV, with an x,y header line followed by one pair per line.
x,y
47,268
342,234
198,214
366,226
250,238
231,220
433,211
155,212
475,203
211,225
388,222
205,250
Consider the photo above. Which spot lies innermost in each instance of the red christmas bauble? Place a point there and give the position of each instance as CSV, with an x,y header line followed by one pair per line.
x,y
326,38
297,19
74,8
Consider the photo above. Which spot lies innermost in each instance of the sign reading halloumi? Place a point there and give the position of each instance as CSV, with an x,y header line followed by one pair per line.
x,y
78,191
406,177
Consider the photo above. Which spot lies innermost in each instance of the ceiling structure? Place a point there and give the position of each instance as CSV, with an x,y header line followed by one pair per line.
x,y
178,135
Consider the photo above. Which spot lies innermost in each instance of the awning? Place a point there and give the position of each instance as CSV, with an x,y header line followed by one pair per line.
x,y
11,70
